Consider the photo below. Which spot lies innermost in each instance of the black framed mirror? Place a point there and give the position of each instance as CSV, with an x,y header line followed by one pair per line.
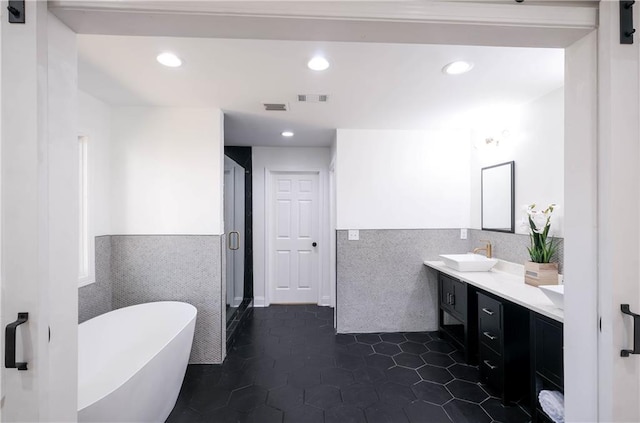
x,y
498,197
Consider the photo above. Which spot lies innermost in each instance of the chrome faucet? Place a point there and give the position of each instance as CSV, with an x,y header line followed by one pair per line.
x,y
486,249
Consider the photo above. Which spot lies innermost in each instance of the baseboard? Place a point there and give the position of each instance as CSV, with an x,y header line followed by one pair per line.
x,y
259,302
237,301
325,301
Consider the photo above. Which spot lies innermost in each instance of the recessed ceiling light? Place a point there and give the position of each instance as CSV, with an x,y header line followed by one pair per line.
x,y
318,63
457,68
287,134
169,59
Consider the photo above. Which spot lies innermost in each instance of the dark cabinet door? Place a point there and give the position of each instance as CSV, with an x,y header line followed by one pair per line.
x,y
453,297
446,291
459,299
547,362
455,322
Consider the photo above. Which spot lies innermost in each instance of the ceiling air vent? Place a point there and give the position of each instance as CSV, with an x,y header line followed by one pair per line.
x,y
313,98
275,107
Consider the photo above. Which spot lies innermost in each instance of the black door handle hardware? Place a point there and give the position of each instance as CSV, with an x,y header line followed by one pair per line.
x,y
626,21
16,11
315,244
636,331
489,365
488,335
453,299
10,343
449,298
489,312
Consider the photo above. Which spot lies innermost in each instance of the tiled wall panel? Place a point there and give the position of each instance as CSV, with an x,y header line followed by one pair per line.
x,y
135,269
179,268
383,286
382,282
96,299
510,247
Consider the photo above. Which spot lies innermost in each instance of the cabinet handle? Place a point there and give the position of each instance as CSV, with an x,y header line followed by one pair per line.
x,y
489,365
489,312
453,299
636,331
488,335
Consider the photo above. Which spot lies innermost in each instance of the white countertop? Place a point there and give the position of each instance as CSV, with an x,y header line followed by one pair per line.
x,y
506,285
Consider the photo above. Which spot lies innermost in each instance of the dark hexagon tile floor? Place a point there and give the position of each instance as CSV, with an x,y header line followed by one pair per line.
x,y
289,366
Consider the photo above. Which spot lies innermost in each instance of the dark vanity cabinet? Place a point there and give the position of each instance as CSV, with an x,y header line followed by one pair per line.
x,y
547,366
454,320
518,351
503,347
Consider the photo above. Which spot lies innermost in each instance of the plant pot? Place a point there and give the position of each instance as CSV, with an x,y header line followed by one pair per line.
x,y
540,273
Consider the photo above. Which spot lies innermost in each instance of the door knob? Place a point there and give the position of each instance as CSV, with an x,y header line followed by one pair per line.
x,y
315,244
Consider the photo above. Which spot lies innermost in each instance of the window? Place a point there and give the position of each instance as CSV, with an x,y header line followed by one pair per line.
x,y
85,253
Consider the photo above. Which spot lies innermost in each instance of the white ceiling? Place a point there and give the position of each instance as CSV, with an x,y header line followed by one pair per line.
x,y
370,85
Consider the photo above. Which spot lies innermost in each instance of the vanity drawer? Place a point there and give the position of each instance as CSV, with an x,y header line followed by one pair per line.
x,y
490,322
504,346
490,310
491,368
492,339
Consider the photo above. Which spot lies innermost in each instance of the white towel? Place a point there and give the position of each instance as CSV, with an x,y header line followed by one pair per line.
x,y
552,403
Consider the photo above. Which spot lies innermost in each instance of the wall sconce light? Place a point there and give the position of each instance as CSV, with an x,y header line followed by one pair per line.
x,y
492,141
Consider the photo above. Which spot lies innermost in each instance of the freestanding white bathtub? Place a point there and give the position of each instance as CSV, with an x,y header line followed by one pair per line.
x,y
131,362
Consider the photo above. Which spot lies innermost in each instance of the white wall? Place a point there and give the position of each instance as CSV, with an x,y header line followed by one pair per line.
x,y
402,179
267,159
94,122
535,141
167,171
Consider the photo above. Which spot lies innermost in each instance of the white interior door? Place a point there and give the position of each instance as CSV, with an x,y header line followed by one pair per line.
x,y
24,228
234,230
618,216
39,211
294,228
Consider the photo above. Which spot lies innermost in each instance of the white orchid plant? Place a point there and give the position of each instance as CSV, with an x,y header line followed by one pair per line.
x,y
543,248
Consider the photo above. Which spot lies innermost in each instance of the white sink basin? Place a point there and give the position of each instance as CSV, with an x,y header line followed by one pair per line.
x,y
468,262
555,293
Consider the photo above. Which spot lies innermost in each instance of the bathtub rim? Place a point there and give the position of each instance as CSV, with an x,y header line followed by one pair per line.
x,y
101,397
